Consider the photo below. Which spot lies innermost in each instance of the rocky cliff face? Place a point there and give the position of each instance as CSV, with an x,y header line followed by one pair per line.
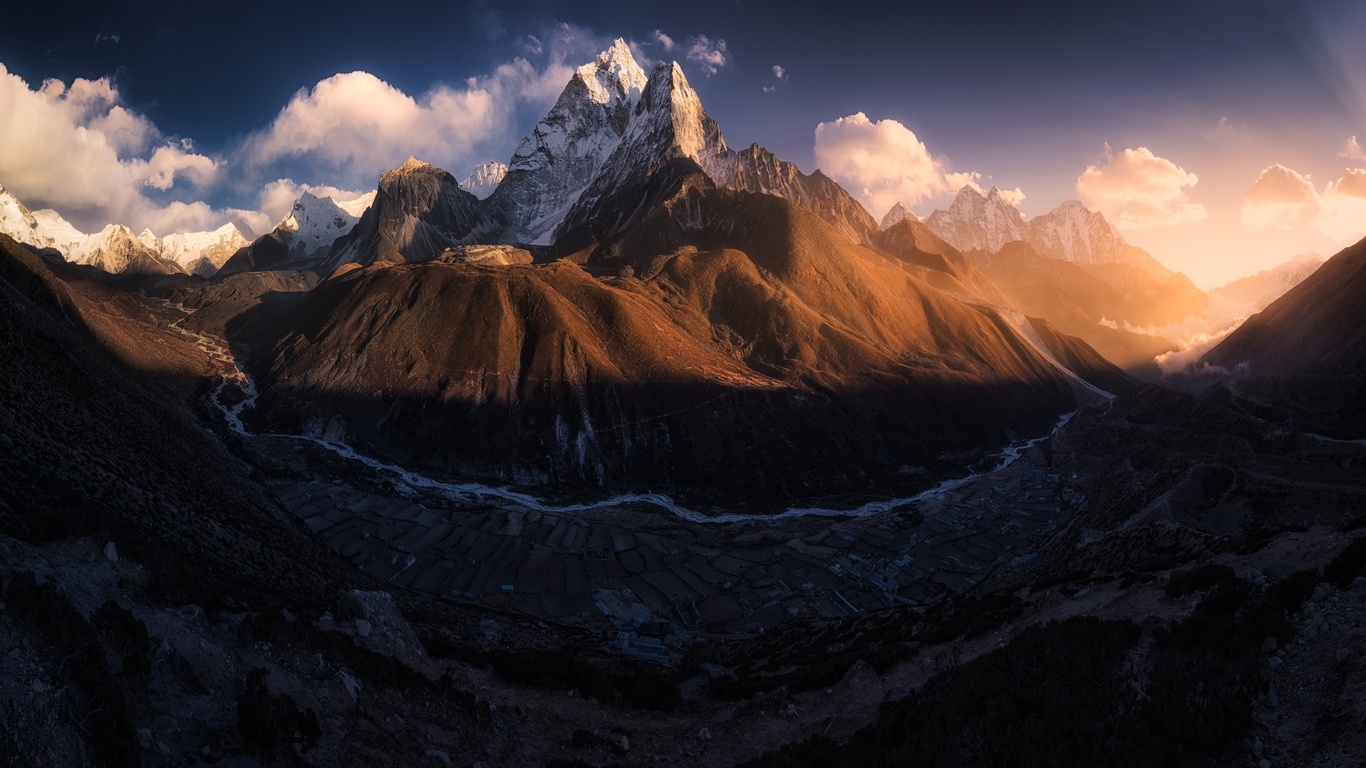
x,y
419,211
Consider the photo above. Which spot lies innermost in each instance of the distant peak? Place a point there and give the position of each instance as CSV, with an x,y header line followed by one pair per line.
x,y
413,164
968,192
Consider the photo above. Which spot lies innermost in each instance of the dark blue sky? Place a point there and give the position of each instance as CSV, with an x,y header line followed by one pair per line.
x,y
1027,94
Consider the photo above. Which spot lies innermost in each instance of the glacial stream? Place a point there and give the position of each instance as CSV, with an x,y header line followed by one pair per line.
x,y
236,377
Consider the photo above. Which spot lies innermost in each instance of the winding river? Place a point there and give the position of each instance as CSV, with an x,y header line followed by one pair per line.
x,y
237,378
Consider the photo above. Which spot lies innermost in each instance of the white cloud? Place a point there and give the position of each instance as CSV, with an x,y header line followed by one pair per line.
x,y
884,162
351,127
1342,214
1351,150
170,161
664,40
1282,198
709,55
77,149
1135,188
1013,196
1191,349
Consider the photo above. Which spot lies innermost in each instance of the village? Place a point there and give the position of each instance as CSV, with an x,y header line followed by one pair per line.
x,y
651,594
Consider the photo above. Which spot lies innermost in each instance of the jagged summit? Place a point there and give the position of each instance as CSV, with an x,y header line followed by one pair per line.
x,y
897,214
615,75
484,179
413,164
313,224
975,221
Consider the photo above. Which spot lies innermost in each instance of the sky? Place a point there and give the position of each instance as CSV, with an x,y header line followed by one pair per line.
x,y
1224,136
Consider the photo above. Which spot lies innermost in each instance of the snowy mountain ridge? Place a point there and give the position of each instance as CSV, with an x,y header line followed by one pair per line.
x,y
484,179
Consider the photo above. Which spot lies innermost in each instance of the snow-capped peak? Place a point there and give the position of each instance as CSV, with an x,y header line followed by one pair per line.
x,y
357,206
200,253
315,222
484,179
978,222
565,151
614,76
40,229
897,214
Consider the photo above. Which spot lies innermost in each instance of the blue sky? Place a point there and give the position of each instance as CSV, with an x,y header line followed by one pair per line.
x,y
1027,96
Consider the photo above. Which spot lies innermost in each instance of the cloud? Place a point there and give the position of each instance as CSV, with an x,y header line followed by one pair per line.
x,y
1280,198
664,40
78,149
1284,199
778,73
884,162
709,55
349,128
1342,208
1351,150
1135,188
1191,349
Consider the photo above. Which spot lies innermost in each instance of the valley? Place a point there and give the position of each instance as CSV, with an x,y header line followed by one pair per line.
x,y
640,449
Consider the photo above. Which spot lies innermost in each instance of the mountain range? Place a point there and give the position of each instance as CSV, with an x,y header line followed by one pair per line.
x,y
639,449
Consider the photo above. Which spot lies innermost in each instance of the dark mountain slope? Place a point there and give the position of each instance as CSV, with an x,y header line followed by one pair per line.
x,y
1302,361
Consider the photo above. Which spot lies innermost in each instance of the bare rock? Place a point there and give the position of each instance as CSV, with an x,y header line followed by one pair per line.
x,y
435,758
1269,645
362,628
111,552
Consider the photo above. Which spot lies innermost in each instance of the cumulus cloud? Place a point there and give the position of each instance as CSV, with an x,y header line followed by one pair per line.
x,y
884,162
76,148
664,40
1282,198
1135,188
353,126
709,55
1342,208
1351,150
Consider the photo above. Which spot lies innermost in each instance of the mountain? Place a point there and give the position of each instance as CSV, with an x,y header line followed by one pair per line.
x,y
116,250
1076,270
977,222
1085,305
1074,233
897,214
40,229
715,321
584,173
757,170
1302,360
419,210
313,224
564,153
1259,290
303,238
484,179
197,253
